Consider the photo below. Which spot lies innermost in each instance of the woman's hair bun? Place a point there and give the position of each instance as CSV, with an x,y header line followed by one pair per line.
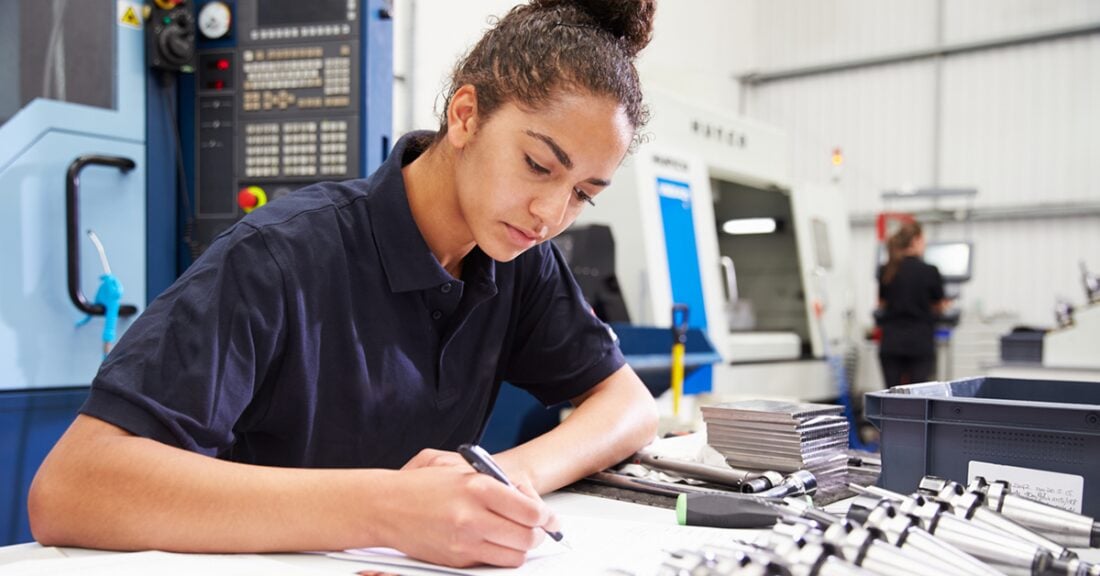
x,y
631,21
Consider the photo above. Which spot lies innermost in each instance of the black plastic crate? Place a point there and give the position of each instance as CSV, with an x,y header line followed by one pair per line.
x,y
1022,346
939,428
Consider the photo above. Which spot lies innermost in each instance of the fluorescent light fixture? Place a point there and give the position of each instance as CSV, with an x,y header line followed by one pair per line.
x,y
749,226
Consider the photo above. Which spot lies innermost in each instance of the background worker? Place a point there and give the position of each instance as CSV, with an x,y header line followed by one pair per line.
x,y
911,297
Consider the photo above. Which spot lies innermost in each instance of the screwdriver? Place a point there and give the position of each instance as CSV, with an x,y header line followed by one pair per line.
x,y
726,510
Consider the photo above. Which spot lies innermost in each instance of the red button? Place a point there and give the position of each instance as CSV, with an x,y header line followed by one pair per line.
x,y
251,198
246,199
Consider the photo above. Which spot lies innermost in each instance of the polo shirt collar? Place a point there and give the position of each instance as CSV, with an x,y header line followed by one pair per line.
x,y
406,259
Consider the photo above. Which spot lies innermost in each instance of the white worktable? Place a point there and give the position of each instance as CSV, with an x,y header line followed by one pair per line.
x,y
564,503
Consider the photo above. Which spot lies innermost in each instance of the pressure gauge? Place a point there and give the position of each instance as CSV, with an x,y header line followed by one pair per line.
x,y
214,20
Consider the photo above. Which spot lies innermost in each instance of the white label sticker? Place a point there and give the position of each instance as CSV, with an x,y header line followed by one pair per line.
x,y
1055,488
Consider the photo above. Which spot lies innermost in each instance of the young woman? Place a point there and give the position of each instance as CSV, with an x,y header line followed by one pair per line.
x,y
302,386
910,297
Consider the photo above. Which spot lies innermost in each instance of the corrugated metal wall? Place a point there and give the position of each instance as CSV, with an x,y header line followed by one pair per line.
x,y
1021,124
798,33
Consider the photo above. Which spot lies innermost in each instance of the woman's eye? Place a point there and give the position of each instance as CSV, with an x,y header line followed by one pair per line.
x,y
535,167
582,197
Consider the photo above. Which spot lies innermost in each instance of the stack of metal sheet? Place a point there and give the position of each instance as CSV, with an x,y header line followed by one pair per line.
x,y
782,436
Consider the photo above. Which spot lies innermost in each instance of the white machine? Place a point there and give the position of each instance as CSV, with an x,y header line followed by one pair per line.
x,y
1076,345
784,292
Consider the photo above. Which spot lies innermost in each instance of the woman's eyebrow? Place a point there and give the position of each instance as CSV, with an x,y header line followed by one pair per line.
x,y
561,155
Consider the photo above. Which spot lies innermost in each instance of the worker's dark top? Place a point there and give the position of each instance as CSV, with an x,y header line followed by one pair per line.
x,y
320,331
908,322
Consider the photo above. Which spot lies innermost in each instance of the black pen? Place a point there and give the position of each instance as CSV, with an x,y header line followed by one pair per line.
x,y
484,464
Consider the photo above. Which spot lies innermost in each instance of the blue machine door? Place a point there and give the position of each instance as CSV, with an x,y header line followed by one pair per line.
x,y
683,265
78,90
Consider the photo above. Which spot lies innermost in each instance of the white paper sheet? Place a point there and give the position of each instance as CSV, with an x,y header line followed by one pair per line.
x,y
159,564
597,545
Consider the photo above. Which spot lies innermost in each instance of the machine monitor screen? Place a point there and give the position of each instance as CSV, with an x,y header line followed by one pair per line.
x,y
290,12
951,258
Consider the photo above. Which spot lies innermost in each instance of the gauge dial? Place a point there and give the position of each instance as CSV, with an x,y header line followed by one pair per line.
x,y
214,20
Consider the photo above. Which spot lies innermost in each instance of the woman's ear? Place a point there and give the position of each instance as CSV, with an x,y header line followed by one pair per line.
x,y
462,116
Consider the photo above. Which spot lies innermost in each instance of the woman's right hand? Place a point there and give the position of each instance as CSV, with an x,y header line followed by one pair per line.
x,y
454,517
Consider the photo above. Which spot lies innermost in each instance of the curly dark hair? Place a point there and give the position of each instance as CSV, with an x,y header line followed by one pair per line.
x,y
540,48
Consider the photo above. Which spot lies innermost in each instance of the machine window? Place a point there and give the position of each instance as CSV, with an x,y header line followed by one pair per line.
x,y
56,49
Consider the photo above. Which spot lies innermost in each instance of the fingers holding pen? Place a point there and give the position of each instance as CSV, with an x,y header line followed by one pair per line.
x,y
456,517
550,520
479,534
518,517
484,463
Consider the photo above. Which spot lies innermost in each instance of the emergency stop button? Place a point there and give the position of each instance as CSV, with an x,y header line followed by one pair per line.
x,y
251,198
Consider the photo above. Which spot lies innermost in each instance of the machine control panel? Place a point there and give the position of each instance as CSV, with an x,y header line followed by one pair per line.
x,y
277,103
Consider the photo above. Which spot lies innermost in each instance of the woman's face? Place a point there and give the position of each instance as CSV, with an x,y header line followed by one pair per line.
x,y
523,176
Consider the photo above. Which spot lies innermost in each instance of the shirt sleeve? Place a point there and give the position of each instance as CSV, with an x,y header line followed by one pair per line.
x,y
560,349
935,291
187,369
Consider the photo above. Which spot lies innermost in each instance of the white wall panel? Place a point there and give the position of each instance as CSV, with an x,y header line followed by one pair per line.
x,y
697,47
1022,124
798,33
444,31
970,20
1025,266
878,117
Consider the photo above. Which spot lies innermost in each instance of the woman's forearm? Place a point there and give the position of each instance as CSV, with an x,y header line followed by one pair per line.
x,y
104,488
611,422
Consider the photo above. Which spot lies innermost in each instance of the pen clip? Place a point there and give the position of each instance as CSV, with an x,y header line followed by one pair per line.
x,y
481,461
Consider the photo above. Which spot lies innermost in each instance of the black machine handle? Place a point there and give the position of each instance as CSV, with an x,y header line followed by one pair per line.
x,y
72,229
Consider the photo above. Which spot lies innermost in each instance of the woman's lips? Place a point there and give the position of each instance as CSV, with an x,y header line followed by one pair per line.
x,y
521,237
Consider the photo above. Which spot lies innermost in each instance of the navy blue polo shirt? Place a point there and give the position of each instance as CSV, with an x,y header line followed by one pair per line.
x,y
320,331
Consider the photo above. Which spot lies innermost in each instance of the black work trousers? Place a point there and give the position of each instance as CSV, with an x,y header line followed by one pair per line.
x,y
898,370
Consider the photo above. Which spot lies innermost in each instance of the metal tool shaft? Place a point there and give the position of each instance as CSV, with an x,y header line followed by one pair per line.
x,y
1062,526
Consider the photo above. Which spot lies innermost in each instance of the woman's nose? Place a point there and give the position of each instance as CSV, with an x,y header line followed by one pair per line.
x,y
550,207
